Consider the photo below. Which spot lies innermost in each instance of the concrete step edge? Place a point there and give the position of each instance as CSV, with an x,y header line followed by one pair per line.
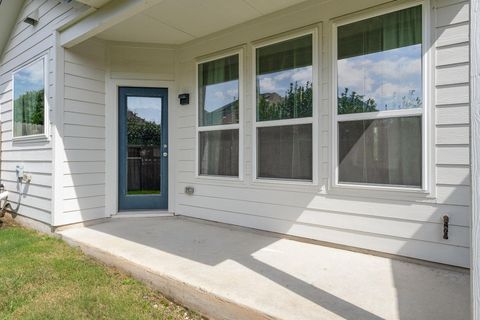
x,y
195,298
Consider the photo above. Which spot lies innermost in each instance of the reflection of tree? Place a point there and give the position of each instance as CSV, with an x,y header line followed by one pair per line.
x,y
29,107
355,103
297,103
142,132
411,101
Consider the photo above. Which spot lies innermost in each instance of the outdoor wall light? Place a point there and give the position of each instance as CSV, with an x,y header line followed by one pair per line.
x,y
184,98
32,18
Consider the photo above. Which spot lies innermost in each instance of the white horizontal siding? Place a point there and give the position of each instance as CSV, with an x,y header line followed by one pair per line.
x,y
453,54
84,134
406,247
398,225
452,92
454,115
454,155
26,43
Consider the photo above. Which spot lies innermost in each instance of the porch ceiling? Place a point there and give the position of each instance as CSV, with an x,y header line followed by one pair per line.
x,y
179,21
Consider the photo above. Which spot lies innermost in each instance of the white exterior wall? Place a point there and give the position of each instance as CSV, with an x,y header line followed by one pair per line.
x,y
92,71
85,154
82,155
136,65
25,44
394,223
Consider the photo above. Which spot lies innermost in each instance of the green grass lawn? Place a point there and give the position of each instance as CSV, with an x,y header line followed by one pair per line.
x,y
43,278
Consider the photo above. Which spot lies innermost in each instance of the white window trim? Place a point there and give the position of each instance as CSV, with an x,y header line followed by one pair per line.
x,y
46,105
313,120
428,178
239,125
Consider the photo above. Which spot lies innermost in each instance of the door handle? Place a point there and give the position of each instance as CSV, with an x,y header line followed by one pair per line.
x,y
165,154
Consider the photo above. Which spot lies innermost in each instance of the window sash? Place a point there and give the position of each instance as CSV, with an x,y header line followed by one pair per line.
x,y
291,53
376,151
422,111
220,70
217,162
285,122
287,140
43,60
221,127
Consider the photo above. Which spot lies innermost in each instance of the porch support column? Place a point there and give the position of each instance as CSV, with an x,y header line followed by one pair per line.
x,y
475,155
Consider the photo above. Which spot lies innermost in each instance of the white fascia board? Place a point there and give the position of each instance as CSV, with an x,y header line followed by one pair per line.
x,y
102,19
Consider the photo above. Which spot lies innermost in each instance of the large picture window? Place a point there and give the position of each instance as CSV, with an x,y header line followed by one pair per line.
x,y
29,100
284,109
219,116
380,100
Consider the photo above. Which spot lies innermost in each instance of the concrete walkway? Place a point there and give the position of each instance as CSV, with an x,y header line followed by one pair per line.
x,y
231,273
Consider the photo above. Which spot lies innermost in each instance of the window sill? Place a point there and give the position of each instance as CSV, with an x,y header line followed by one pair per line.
x,y
219,178
381,192
273,181
31,138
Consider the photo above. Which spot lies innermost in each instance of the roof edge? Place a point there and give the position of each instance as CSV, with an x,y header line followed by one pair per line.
x,y
9,12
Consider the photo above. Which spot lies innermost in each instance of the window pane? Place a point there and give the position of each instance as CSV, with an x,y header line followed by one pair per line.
x,y
218,91
384,151
285,152
380,63
29,100
144,130
219,153
284,80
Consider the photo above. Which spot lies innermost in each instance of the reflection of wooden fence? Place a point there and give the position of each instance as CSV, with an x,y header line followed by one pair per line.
x,y
22,129
143,168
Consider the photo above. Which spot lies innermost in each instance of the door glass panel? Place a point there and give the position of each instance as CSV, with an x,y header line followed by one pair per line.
x,y
143,150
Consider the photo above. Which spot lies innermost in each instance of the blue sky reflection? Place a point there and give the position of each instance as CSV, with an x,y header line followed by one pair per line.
x,y
30,78
393,78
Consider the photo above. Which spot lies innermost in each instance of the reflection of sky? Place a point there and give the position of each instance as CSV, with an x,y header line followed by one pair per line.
x,y
30,78
148,108
386,76
220,94
279,82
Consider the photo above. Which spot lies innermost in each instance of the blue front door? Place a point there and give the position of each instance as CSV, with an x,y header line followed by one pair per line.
x,y
143,148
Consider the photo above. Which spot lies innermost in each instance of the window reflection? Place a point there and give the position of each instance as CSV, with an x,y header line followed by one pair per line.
x,y
380,63
29,100
221,103
218,91
144,118
284,80
387,80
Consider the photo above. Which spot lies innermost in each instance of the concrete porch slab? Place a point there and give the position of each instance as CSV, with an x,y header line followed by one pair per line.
x,y
225,272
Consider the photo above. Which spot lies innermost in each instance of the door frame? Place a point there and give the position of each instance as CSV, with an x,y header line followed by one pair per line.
x,y
142,202
112,143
